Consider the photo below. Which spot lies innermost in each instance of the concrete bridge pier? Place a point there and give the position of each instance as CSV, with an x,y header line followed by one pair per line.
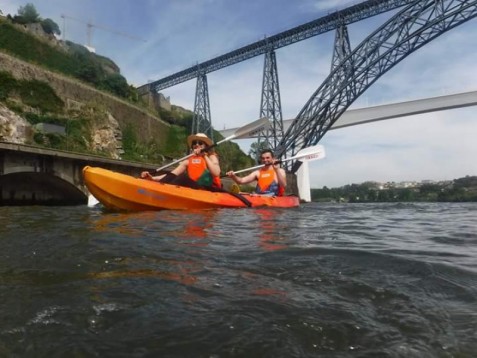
x,y
37,176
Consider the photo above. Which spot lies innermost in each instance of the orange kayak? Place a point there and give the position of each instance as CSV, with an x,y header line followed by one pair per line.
x,y
122,192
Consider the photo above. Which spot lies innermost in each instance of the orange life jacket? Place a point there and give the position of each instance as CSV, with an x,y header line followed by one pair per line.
x,y
197,171
267,182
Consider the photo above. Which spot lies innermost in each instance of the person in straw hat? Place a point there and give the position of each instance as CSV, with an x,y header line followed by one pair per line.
x,y
200,170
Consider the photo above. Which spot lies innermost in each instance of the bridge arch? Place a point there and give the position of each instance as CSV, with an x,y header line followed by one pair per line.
x,y
406,32
32,175
38,188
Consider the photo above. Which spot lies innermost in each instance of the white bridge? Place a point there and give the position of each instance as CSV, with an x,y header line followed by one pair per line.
x,y
378,113
354,117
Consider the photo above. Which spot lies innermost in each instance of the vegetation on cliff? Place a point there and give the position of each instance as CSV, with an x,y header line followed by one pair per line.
x,y
70,59
38,103
27,15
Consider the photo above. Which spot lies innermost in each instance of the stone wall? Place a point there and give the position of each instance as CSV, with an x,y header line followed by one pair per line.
x,y
13,128
76,93
156,100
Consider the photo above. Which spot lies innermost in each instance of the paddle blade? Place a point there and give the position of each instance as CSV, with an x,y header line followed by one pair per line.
x,y
310,154
313,156
251,129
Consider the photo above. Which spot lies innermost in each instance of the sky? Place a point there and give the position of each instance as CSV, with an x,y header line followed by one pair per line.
x,y
177,34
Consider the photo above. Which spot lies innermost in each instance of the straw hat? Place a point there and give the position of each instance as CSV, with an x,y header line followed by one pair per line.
x,y
199,136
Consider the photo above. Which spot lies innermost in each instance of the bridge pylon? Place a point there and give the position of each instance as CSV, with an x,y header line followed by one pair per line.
x,y
202,122
341,54
270,104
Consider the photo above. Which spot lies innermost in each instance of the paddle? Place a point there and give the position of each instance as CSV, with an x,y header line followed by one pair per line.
x,y
248,130
308,154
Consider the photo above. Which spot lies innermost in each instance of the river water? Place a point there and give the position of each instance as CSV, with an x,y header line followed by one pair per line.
x,y
322,280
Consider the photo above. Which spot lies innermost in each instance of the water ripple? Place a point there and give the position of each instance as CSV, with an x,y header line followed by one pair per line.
x,y
344,280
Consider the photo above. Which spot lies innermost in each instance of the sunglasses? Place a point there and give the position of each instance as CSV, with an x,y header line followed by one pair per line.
x,y
197,142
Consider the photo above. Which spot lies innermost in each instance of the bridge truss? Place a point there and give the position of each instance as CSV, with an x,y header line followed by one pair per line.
x,y
352,72
266,46
201,122
270,105
316,27
407,31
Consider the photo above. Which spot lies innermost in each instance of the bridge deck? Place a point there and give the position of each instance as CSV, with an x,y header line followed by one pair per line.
x,y
402,109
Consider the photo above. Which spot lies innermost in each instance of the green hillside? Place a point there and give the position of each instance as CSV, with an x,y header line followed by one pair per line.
x,y
37,101
70,59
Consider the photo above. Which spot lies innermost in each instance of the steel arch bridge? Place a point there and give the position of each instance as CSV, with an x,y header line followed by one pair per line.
x,y
352,71
407,31
270,103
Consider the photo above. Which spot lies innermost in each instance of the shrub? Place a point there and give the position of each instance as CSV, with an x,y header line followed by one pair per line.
x,y
40,95
7,84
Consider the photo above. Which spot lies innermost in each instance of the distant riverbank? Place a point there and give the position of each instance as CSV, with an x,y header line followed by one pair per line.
x,y
457,190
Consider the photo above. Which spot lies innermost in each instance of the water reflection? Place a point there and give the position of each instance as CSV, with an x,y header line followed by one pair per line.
x,y
183,276
130,224
270,225
244,283
180,232
182,225
197,228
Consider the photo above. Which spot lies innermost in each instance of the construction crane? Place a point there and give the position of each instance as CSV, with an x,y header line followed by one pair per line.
x,y
89,30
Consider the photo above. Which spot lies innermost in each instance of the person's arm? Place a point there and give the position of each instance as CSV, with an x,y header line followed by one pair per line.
x,y
244,180
213,164
176,171
149,176
281,176
181,168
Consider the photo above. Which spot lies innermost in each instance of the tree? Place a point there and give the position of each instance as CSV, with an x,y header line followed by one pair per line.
x,y
89,72
28,13
383,196
256,148
116,84
406,194
50,27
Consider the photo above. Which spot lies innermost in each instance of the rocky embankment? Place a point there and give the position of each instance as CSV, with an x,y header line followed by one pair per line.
x,y
13,128
106,131
106,134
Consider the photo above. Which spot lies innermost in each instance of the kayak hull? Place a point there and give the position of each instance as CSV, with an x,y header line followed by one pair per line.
x,y
122,192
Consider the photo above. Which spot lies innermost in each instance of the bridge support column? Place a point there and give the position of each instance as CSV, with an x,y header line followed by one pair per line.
x,y
270,105
201,122
303,182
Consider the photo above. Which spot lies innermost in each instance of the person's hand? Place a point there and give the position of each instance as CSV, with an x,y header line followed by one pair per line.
x,y
198,151
146,175
230,174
